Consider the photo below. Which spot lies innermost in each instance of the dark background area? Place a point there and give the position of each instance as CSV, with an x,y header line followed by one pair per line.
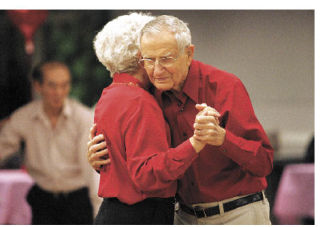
x,y
65,36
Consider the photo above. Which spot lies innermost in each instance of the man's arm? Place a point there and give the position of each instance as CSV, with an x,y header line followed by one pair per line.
x,y
242,139
10,137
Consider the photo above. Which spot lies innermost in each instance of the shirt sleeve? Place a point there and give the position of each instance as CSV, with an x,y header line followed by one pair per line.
x,y
246,142
10,136
151,163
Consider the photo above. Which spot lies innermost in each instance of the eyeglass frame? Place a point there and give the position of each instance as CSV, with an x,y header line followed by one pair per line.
x,y
143,60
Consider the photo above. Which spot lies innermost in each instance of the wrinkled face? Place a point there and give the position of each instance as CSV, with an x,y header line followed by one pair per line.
x,y
170,67
55,87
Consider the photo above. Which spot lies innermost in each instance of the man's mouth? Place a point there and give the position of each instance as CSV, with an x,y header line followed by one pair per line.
x,y
161,79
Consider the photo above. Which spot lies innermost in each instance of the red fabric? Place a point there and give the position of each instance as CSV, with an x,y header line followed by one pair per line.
x,y
142,165
28,22
237,167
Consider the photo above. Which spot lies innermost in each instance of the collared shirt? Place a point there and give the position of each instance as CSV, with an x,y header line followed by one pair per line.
x,y
54,157
142,165
237,167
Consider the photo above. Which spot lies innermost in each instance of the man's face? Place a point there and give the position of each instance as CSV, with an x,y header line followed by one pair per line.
x,y
161,46
55,87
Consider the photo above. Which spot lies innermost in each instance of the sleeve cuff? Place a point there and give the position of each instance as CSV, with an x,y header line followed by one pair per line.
x,y
185,152
231,148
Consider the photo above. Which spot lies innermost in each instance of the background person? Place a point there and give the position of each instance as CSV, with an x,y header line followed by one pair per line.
x,y
54,130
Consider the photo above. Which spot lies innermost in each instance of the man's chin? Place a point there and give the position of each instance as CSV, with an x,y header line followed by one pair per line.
x,y
163,87
57,105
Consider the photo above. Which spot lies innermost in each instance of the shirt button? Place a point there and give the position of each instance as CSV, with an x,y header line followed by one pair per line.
x,y
181,110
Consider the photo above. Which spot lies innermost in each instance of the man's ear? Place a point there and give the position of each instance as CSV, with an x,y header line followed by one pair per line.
x,y
190,52
138,55
37,86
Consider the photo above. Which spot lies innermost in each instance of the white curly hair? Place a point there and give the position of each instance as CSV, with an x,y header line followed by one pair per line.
x,y
117,44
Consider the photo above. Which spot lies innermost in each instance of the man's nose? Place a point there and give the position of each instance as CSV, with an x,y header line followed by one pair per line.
x,y
59,91
158,68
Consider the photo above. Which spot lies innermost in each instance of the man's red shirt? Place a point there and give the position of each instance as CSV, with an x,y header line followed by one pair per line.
x,y
237,167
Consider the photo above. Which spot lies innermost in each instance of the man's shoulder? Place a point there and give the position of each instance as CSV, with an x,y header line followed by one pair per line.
x,y
28,110
127,94
22,118
76,105
79,110
125,98
213,74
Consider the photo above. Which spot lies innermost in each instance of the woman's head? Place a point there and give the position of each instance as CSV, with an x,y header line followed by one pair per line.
x,y
117,44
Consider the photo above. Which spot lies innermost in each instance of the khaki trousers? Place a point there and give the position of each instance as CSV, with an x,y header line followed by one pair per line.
x,y
257,213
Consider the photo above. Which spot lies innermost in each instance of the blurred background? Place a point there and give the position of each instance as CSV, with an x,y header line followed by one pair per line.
x,y
271,51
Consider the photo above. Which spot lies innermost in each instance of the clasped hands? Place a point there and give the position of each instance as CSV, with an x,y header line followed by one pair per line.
x,y
206,131
206,126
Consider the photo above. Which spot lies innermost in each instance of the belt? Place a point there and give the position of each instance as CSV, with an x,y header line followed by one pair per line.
x,y
201,212
59,194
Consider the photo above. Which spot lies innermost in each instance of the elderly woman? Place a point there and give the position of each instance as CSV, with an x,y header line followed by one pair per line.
x,y
139,185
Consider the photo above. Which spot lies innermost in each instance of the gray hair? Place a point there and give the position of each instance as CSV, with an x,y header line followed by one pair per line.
x,y
172,24
117,44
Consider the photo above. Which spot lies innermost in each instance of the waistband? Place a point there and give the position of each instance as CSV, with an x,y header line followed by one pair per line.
x,y
214,208
58,194
153,199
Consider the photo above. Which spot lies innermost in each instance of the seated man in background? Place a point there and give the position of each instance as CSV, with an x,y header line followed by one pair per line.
x,y
54,130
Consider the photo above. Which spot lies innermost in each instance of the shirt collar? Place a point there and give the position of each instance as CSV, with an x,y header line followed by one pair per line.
x,y
191,84
127,78
67,110
39,112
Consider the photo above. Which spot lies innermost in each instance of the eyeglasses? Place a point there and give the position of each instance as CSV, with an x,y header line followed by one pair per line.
x,y
163,61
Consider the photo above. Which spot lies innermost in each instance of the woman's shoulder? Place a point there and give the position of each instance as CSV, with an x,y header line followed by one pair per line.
x,y
127,93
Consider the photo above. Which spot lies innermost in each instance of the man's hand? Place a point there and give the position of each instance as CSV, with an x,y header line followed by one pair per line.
x,y
207,128
97,150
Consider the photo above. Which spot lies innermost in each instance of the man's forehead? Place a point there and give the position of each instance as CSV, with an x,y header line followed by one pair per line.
x,y
163,36
56,75
159,45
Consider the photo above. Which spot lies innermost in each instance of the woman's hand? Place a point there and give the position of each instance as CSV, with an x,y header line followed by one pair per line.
x,y
97,153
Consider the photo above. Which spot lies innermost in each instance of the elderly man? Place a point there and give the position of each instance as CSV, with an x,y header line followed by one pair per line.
x,y
54,129
226,183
